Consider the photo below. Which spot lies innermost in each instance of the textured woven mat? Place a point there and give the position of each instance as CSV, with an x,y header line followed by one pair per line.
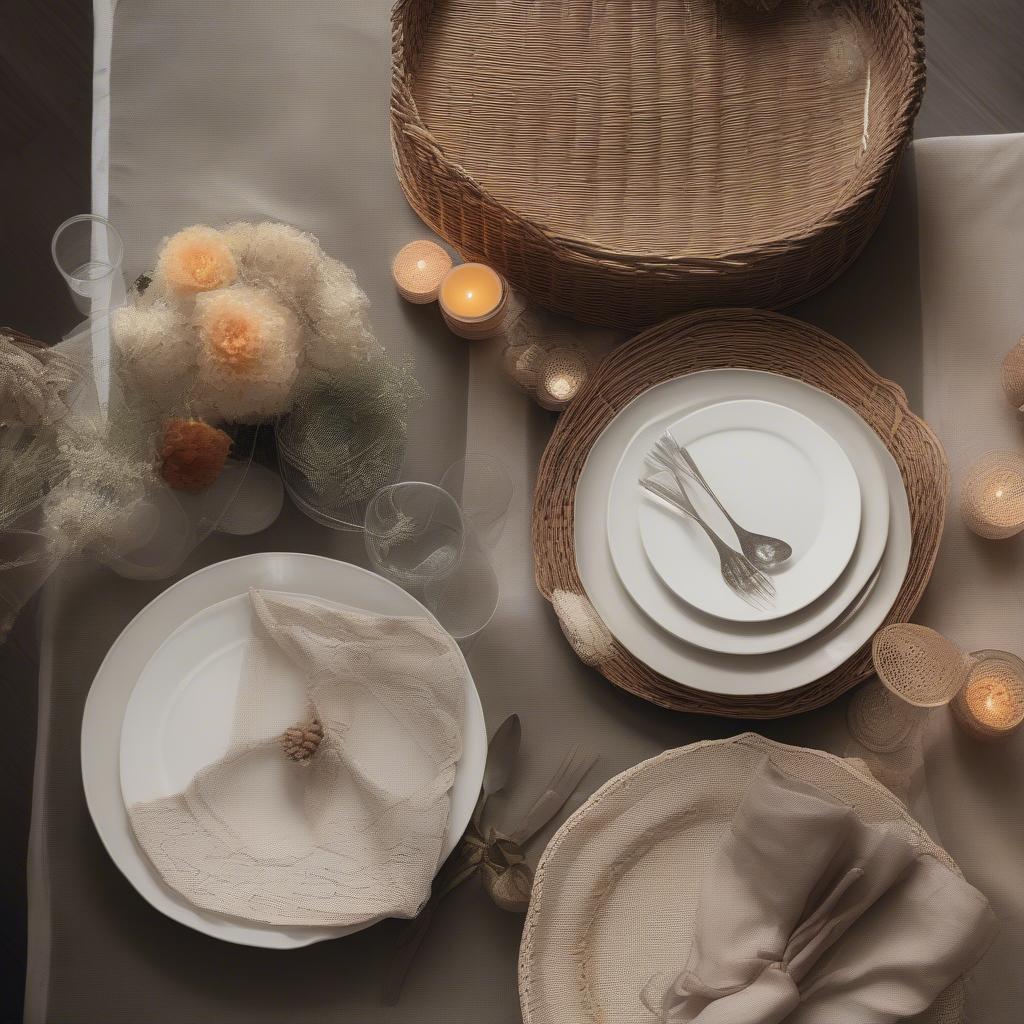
x,y
715,339
614,898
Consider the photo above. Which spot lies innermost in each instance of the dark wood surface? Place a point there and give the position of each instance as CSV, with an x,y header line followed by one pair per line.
x,y
975,86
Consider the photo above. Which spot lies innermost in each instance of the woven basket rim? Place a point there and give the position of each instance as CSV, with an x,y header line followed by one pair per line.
x,y
870,176
912,443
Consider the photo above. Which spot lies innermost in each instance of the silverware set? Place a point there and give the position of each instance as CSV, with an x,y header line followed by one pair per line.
x,y
742,570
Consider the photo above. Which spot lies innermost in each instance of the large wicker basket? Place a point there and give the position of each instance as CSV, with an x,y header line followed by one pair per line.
x,y
623,162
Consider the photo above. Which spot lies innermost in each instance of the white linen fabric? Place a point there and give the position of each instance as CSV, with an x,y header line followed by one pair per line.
x,y
808,915
350,834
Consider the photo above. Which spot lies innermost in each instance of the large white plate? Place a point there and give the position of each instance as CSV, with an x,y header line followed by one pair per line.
x,y
111,690
729,675
775,471
681,620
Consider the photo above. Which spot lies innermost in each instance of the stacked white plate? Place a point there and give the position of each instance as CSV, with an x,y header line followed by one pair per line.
x,y
786,460
162,707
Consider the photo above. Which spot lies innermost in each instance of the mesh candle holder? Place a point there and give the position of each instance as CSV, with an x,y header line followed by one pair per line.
x,y
992,496
1013,377
918,669
990,706
418,270
551,374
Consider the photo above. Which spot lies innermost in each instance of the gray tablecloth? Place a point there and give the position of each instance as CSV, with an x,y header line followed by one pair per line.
x,y
256,109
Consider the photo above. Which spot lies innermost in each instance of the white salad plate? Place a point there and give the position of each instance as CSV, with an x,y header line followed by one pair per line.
x,y
731,674
190,638
778,473
680,619
687,623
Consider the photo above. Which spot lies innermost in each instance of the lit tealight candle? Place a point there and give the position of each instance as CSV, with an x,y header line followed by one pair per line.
x,y
474,301
418,270
991,704
992,497
561,376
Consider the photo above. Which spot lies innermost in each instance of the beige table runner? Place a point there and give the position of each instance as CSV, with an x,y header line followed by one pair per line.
x,y
971,212
271,109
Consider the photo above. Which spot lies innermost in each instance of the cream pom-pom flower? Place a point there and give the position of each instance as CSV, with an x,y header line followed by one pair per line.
x,y
156,347
249,354
196,259
339,311
276,257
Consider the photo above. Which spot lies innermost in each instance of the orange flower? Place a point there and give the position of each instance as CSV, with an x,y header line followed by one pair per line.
x,y
193,454
196,259
240,327
249,351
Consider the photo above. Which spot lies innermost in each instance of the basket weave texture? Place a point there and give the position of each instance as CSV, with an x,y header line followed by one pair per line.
x,y
624,162
748,339
615,893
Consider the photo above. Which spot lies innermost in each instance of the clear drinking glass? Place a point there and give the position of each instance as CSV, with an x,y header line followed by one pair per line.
x,y
415,534
88,251
483,487
418,536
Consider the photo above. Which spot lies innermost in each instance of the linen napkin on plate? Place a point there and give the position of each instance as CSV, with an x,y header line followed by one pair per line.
x,y
321,820
809,915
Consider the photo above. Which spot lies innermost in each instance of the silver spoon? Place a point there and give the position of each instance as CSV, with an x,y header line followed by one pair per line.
x,y
502,752
738,573
758,547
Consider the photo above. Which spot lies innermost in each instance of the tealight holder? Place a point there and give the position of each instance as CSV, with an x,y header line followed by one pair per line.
x,y
990,705
992,496
918,669
418,270
1013,377
474,301
560,376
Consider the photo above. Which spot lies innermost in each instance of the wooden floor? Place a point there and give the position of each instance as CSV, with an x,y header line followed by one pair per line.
x,y
975,86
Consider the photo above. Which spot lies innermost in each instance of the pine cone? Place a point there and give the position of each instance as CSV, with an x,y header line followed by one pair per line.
x,y
193,454
301,742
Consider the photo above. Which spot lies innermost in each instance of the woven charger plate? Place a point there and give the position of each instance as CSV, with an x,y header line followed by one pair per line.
x,y
736,338
621,162
617,888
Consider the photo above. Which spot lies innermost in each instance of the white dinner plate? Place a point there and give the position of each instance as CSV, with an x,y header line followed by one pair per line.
x,y
651,594
712,671
125,663
775,471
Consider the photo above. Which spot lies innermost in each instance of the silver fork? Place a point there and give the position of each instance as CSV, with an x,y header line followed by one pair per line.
x,y
758,547
738,573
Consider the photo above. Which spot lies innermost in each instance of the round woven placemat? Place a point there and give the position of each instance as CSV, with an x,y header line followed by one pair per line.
x,y
717,339
608,910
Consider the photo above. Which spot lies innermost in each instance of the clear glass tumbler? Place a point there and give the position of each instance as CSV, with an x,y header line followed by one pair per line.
x,y
88,251
415,534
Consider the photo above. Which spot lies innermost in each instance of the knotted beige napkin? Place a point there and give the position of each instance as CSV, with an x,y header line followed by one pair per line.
x,y
810,916
319,821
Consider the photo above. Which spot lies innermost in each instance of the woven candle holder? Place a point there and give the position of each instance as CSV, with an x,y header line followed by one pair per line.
x,y
917,669
418,270
992,496
1013,375
990,706
561,375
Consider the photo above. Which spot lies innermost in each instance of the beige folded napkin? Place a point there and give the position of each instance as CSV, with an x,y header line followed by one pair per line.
x,y
810,916
339,817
